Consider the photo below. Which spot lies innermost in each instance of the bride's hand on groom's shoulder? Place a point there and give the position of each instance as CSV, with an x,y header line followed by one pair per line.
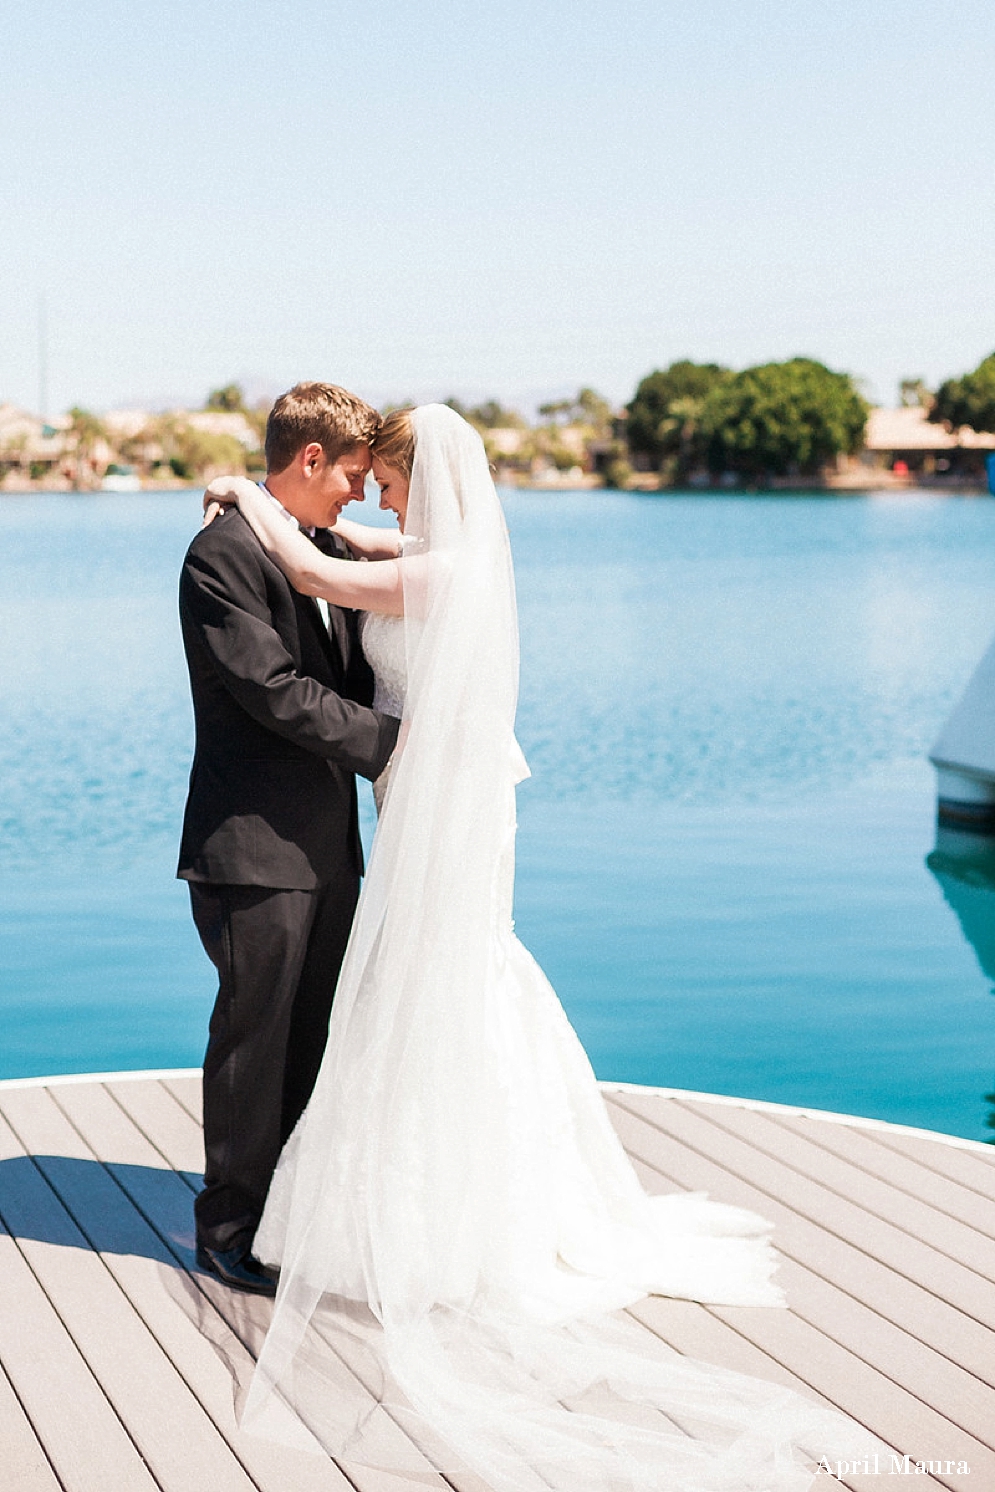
x,y
212,507
222,493
216,498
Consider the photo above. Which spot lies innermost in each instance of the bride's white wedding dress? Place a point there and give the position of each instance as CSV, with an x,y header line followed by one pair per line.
x,y
454,1215
570,1228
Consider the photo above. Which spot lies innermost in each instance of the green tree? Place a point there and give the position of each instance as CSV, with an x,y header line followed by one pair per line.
x,y
612,464
86,433
969,400
12,451
493,415
256,418
913,394
556,410
594,410
782,419
197,455
664,415
144,447
587,407
231,398
490,415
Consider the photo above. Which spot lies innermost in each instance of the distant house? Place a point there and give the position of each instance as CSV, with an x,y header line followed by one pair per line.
x,y
223,422
504,442
125,424
136,435
28,446
904,442
162,442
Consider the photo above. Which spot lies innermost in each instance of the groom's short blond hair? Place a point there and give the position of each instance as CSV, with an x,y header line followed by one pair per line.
x,y
319,412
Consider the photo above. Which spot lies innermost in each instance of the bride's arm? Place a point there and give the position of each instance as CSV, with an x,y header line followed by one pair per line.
x,y
368,542
373,587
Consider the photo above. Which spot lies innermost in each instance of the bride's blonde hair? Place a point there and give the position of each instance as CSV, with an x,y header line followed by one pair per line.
x,y
394,442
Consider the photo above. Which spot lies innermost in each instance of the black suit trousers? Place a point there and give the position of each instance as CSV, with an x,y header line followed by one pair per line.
x,y
278,954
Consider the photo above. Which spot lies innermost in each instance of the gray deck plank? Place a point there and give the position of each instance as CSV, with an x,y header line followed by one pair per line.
x,y
685,1329
168,1125
25,1466
906,1172
959,1338
145,1263
972,1168
863,1392
150,1111
233,1323
877,1197
893,1351
886,1241
164,1121
696,1332
812,1360
174,1137
963,1400
837,1215
176,1438
188,1091
84,1438
815,1301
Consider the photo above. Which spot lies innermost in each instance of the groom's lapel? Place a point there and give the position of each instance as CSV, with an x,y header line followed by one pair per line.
x,y
339,631
330,644
336,634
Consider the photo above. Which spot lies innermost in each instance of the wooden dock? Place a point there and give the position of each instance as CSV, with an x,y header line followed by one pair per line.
x,y
118,1358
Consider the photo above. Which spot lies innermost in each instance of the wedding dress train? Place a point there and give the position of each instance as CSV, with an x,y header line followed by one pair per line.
x,y
454,1215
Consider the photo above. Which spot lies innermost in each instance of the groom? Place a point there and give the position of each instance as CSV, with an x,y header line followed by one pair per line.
x,y
270,843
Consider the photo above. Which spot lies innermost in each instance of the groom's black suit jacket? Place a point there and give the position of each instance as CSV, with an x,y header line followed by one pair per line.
x,y
282,721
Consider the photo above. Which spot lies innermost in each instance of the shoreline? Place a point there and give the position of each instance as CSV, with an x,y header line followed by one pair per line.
x,y
850,483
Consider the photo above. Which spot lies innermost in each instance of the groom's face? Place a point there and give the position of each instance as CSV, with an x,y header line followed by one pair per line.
x,y
332,484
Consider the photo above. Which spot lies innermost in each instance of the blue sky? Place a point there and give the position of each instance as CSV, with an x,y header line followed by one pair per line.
x,y
423,199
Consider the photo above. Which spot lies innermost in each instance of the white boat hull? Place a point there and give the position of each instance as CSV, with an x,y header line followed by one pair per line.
x,y
964,754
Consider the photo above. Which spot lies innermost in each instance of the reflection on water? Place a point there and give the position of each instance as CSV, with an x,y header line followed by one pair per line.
x,y
964,865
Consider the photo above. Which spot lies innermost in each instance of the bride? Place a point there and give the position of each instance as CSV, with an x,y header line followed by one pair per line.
x,y
454,1216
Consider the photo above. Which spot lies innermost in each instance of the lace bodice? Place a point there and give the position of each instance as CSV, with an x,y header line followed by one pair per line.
x,y
383,643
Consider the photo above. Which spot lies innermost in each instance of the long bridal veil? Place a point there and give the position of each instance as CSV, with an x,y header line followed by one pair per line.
x,y
457,1227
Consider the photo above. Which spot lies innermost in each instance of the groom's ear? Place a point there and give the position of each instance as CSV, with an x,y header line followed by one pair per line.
x,y
311,458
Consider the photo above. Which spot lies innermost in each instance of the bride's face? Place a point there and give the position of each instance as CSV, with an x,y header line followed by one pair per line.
x,y
393,490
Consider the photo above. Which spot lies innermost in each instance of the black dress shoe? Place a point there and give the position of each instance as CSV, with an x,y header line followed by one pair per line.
x,y
237,1268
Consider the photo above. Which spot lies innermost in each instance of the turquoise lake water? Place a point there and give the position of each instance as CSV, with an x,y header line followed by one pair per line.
x,y
726,705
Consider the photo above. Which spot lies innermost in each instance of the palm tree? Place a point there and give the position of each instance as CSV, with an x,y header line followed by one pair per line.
x,y
86,431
